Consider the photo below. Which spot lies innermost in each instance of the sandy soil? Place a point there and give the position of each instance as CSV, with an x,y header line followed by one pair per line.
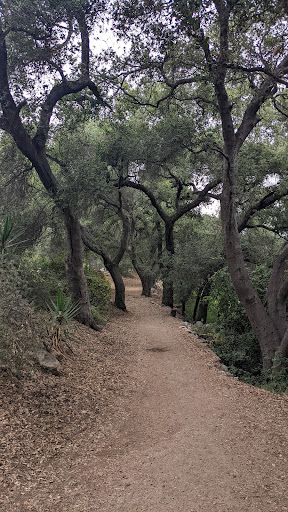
x,y
152,424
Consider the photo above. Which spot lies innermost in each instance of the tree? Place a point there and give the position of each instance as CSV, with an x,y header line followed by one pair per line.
x,y
112,262
160,165
222,55
36,43
145,241
199,254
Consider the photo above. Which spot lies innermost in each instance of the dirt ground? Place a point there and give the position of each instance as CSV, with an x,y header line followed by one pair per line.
x,y
142,419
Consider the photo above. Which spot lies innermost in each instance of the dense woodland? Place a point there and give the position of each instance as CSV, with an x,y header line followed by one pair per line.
x,y
146,137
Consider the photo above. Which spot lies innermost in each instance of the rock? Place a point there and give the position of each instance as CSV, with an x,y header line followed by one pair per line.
x,y
199,323
47,361
224,368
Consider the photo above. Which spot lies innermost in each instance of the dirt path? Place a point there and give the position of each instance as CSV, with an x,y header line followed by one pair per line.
x,y
181,436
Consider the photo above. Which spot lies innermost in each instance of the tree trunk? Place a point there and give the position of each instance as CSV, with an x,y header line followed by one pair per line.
x,y
262,325
167,294
168,289
114,270
202,303
183,308
277,293
146,279
147,283
197,300
74,269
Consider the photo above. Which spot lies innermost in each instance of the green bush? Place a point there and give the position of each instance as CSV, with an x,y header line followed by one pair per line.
x,y
235,342
99,293
44,277
17,334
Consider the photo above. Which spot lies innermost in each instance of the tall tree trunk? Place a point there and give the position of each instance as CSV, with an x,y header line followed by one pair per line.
x,y
262,325
203,304
147,283
197,300
74,269
168,288
115,273
35,150
167,294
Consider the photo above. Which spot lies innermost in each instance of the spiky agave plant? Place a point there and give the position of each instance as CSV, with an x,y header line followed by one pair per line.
x,y
8,236
62,311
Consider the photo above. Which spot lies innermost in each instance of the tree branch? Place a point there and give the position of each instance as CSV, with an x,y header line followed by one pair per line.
x,y
266,201
87,240
196,202
148,193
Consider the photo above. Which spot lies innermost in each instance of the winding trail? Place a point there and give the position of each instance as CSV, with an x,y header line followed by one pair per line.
x,y
189,438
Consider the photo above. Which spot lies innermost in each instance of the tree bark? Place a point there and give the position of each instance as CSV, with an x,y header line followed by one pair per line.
x,y
112,265
114,270
168,288
74,269
203,304
146,279
147,283
262,325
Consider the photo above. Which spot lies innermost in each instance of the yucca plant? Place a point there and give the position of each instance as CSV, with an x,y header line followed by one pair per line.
x,y
8,236
62,311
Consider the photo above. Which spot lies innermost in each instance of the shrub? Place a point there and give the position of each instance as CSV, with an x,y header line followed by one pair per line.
x,y
99,293
235,342
44,277
62,311
16,325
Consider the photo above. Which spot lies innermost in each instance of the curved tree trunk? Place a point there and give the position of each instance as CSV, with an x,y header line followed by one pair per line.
x,y
167,295
146,279
262,325
113,269
35,150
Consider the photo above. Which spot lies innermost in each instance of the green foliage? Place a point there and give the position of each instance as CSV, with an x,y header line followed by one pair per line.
x,y
62,311
126,267
99,293
234,341
198,253
44,277
277,379
212,314
8,236
17,333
